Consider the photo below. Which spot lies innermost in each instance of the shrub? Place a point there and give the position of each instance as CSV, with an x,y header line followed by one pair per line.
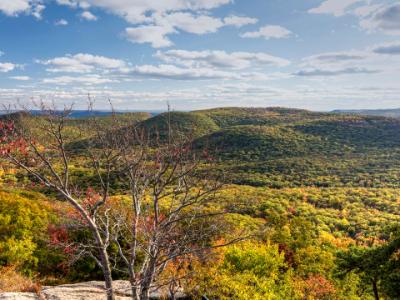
x,y
24,219
13,281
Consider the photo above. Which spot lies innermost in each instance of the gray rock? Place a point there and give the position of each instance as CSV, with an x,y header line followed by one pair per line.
x,y
18,296
92,290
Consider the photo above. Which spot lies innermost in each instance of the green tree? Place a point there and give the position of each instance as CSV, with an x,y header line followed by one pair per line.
x,y
378,267
251,270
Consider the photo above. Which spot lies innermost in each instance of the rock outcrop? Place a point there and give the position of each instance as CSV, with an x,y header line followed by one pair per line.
x,y
92,290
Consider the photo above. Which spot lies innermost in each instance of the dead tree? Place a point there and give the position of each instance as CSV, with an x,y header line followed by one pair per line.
x,y
173,215
39,147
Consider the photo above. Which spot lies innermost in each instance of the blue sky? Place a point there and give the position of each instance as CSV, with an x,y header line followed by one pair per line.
x,y
194,54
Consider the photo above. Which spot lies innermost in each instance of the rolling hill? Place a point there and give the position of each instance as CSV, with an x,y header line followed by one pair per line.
x,y
280,147
181,123
284,147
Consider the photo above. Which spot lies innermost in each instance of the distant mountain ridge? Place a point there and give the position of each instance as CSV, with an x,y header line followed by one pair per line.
x,y
392,113
77,114
251,112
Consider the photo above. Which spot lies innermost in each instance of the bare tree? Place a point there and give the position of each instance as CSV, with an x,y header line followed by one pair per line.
x,y
173,205
47,160
172,216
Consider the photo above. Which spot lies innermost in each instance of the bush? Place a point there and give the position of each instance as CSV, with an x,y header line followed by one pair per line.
x,y
13,281
24,219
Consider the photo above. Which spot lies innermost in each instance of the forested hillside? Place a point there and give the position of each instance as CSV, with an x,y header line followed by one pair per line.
x,y
314,197
283,147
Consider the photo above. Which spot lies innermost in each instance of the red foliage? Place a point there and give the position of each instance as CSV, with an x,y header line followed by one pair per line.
x,y
289,253
59,238
292,210
147,224
319,287
10,141
57,234
91,198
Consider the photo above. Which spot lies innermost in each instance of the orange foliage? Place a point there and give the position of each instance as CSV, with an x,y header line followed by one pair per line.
x,y
318,287
12,281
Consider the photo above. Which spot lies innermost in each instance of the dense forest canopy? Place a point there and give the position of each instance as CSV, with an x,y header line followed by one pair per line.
x,y
316,193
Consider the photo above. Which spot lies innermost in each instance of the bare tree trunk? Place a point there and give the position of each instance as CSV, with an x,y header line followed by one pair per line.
x,y
105,262
145,288
135,292
135,288
375,289
145,293
148,280
104,259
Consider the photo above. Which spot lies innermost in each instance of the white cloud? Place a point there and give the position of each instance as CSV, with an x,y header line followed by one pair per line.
x,y
335,7
70,3
155,19
86,80
15,7
61,22
239,21
268,32
153,34
332,58
383,16
82,63
385,19
188,22
168,71
309,96
21,78
370,60
334,72
84,5
88,16
74,3
7,67
157,32
174,72
387,48
139,11
179,65
366,10
220,59
37,11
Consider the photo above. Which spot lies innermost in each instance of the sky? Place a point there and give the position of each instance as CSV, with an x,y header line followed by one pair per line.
x,y
196,54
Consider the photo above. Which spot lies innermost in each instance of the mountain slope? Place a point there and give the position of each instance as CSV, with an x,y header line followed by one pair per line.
x,y
300,148
234,116
180,123
280,147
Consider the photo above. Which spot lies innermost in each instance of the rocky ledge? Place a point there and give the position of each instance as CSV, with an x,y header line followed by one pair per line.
x,y
92,290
